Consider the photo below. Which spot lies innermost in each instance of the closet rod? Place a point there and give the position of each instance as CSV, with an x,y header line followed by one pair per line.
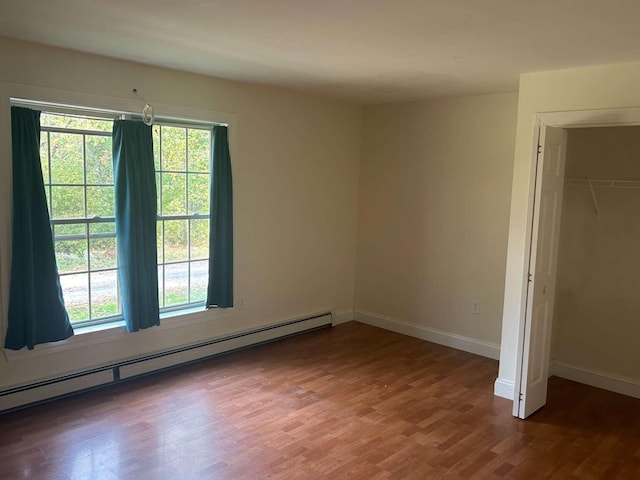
x,y
603,183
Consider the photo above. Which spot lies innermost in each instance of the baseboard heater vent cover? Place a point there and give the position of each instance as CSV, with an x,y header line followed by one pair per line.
x,y
53,388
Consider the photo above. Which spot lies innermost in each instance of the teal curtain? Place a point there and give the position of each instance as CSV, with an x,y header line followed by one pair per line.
x,y
135,201
220,289
36,307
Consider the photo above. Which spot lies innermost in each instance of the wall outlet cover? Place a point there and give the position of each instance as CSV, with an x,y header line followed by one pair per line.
x,y
475,307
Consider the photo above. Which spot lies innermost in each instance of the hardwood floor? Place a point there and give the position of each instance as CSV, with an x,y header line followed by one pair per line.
x,y
350,402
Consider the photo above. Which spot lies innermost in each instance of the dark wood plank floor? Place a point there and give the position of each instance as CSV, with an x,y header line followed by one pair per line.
x,y
350,402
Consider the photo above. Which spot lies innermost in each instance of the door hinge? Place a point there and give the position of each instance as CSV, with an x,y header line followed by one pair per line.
x,y
521,397
539,149
529,277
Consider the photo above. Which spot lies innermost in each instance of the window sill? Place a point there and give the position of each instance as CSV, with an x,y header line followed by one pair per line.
x,y
112,331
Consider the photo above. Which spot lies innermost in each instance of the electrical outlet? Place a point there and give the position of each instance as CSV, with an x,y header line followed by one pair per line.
x,y
475,307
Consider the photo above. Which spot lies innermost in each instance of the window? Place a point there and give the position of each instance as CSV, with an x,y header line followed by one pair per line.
x,y
182,157
77,167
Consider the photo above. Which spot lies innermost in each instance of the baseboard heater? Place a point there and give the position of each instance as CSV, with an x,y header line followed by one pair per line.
x,y
77,382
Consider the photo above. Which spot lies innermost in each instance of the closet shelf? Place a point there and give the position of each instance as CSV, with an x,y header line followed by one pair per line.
x,y
603,183
593,183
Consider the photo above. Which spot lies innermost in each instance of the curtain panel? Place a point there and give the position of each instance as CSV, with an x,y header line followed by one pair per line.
x,y
36,308
220,288
136,213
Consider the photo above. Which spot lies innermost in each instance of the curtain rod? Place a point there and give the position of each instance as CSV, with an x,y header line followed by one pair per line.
x,y
102,112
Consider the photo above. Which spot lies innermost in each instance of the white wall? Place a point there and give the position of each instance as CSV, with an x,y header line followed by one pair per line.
x,y
435,183
596,322
601,87
295,170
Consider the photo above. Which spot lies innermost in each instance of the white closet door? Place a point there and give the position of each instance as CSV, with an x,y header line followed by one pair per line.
x,y
542,271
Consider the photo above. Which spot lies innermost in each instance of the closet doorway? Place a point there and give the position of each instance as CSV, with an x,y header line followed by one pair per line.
x,y
581,315
596,322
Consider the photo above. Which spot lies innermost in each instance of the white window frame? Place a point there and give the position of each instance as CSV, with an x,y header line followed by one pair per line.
x,y
162,263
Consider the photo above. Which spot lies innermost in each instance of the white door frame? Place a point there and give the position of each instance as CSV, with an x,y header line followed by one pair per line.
x,y
571,119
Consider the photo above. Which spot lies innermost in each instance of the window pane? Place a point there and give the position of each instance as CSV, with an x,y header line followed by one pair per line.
x,y
177,284
199,281
103,250
161,285
175,240
78,123
159,241
199,148
174,148
75,290
100,202
198,193
104,296
67,202
156,146
158,193
47,193
174,189
44,157
67,164
71,255
99,159
199,239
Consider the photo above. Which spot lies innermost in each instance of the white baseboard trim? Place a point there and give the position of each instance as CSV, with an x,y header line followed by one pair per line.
x,y
459,342
606,381
504,388
342,317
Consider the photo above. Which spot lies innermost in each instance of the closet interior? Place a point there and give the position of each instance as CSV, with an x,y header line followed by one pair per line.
x,y
596,325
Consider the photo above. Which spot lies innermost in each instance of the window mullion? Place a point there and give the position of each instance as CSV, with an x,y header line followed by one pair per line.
x,y
78,131
161,162
186,170
186,203
193,216
49,164
71,237
81,220
86,214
